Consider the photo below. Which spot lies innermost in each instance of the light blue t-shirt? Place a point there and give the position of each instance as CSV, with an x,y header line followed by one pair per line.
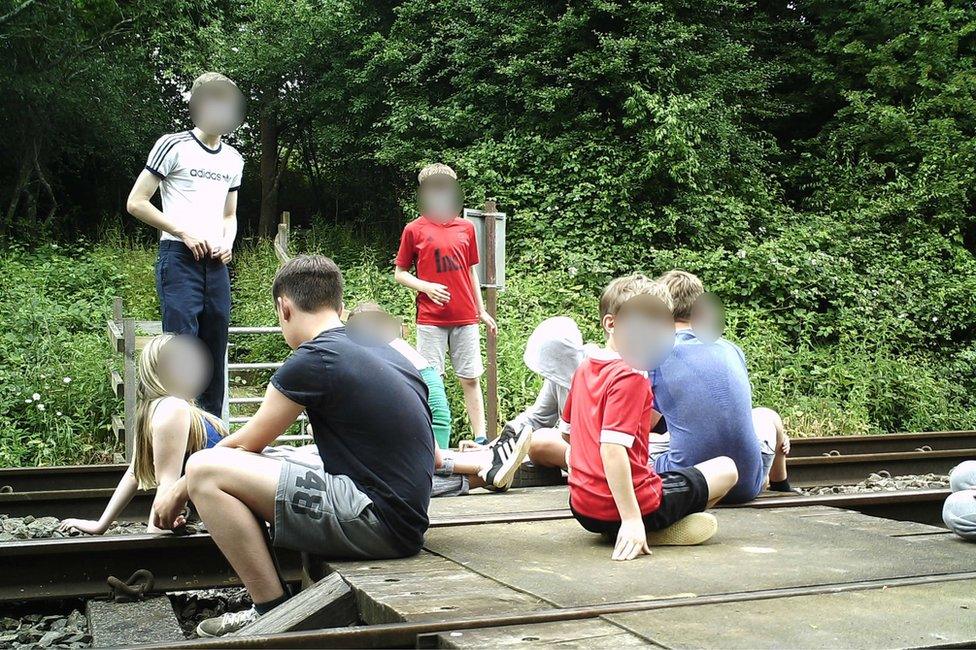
x,y
703,391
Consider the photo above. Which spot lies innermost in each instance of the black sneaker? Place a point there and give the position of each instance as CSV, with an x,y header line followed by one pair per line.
x,y
507,455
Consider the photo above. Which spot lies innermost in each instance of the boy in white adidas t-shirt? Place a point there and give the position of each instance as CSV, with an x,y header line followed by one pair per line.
x,y
198,177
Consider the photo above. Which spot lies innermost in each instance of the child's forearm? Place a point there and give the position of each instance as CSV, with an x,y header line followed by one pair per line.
x,y
230,230
179,489
143,210
408,279
123,494
616,466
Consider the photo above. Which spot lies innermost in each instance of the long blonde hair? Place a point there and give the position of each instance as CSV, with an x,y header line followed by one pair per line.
x,y
149,392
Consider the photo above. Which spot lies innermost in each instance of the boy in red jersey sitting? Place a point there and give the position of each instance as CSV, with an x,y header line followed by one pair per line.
x,y
608,415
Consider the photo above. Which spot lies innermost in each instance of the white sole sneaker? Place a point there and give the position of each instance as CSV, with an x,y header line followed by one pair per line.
x,y
694,529
227,623
512,455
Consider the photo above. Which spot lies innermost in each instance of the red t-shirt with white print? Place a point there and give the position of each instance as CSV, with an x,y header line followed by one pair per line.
x,y
443,253
609,402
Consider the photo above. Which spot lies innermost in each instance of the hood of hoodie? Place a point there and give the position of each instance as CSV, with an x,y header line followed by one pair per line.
x,y
555,349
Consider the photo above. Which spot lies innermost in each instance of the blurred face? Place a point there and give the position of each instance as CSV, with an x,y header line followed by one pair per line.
x,y
440,199
373,328
217,107
642,331
184,367
708,318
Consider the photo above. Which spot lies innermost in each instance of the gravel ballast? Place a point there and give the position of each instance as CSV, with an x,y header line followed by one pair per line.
x,y
45,631
883,482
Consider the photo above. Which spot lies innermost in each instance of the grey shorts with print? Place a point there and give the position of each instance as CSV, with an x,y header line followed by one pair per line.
x,y
462,342
326,514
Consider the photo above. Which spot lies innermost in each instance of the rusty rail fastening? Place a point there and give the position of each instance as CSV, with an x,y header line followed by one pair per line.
x,y
132,590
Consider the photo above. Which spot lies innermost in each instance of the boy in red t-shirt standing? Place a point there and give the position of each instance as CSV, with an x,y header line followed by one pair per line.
x,y
608,416
442,248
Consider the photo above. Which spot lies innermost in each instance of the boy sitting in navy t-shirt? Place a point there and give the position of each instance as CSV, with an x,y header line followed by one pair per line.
x,y
366,498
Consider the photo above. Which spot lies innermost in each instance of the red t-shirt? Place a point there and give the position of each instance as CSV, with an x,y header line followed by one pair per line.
x,y
609,402
443,253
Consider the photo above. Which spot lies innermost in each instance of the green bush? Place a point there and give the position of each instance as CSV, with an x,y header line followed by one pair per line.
x,y
837,349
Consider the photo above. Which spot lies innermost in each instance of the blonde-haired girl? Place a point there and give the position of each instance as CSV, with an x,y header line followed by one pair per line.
x,y
168,429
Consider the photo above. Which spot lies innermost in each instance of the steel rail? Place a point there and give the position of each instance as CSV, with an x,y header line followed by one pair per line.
x,y
853,468
890,442
78,567
66,477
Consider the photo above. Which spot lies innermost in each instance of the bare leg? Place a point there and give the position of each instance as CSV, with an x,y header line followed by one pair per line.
x,y
229,487
471,462
769,427
549,449
721,476
474,403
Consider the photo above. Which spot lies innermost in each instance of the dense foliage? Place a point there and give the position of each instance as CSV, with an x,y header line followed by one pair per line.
x,y
814,161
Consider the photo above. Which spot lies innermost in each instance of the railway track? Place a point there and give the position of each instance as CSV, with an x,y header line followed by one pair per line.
x,y
892,442
83,491
78,567
84,477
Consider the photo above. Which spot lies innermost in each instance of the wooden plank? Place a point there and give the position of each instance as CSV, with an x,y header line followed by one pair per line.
x,y
328,603
428,587
118,428
115,625
281,239
491,304
907,616
584,633
114,332
854,520
118,386
146,330
129,382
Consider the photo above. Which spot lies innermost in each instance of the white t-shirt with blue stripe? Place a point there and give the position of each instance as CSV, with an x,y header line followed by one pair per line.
x,y
194,182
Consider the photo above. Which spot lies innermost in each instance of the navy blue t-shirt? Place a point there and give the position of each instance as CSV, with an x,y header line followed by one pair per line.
x,y
370,419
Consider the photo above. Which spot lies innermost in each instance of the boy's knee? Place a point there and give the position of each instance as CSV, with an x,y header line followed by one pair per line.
x,y
728,470
202,467
470,382
539,446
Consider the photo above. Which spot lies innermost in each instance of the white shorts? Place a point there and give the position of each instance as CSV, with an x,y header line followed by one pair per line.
x,y
463,342
659,443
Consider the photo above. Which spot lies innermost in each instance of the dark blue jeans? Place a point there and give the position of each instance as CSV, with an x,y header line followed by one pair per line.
x,y
194,297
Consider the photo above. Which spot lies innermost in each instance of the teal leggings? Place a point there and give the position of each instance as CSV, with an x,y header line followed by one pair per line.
x,y
439,408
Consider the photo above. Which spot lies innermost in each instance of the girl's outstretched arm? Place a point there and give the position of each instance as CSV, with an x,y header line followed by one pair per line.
x,y
123,494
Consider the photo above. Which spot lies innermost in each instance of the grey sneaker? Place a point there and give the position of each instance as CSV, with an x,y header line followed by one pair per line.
x,y
226,623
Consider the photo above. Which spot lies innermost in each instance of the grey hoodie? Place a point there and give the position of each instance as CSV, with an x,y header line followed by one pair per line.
x,y
554,350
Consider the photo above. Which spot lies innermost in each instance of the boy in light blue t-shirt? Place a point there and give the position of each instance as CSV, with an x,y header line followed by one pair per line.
x,y
702,389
